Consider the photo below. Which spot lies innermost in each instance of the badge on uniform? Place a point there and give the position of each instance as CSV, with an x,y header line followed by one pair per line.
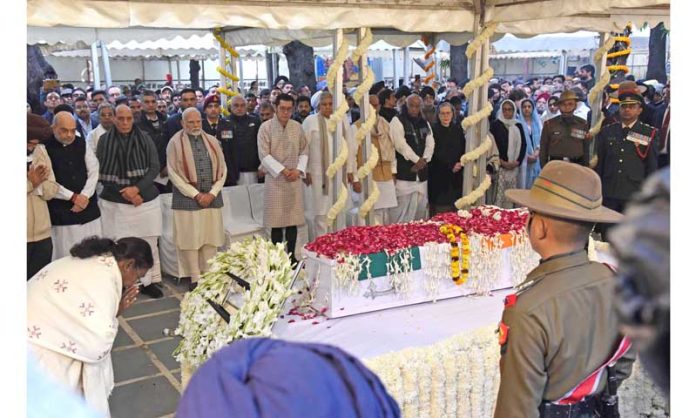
x,y
638,138
226,134
578,133
252,124
503,331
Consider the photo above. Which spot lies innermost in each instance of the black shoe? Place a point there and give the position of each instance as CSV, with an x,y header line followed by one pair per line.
x,y
192,286
152,290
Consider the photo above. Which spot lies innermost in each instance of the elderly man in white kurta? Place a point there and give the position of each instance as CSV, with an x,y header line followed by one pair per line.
x,y
320,143
283,154
197,170
414,143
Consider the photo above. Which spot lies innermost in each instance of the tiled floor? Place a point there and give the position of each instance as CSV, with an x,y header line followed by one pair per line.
x,y
147,377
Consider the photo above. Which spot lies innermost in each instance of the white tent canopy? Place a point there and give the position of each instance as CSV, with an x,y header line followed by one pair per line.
x,y
411,16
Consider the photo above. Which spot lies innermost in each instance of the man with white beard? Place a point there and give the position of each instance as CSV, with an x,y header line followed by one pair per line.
x,y
197,169
320,151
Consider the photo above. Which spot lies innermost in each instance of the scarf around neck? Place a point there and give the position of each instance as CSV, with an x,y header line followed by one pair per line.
x,y
183,157
126,157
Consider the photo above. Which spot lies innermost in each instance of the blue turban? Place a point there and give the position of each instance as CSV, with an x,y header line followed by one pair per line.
x,y
264,378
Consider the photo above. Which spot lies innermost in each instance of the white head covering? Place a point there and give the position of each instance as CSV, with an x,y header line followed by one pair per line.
x,y
514,137
314,101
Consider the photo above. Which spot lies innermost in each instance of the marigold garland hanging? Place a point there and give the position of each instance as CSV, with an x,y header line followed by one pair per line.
x,y
460,259
227,74
224,44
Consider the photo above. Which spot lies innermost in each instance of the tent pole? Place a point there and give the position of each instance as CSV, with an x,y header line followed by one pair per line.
x,y
203,74
367,142
221,62
407,67
472,133
483,125
107,65
596,106
178,71
241,74
338,98
394,77
95,66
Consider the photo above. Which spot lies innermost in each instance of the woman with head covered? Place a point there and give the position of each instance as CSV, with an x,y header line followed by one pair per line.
x,y
264,378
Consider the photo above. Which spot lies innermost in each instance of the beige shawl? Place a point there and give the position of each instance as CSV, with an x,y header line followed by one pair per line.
x,y
183,157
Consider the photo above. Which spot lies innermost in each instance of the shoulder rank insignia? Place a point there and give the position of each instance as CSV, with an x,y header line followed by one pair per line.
x,y
510,300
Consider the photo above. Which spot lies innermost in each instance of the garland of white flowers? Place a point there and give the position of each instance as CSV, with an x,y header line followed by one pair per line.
x,y
364,87
475,195
399,269
370,201
460,376
597,126
477,117
362,48
337,116
477,152
371,163
477,43
608,45
478,82
599,87
339,205
341,159
267,268
347,271
365,127
340,57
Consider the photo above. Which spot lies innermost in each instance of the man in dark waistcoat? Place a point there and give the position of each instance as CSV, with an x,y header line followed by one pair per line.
x,y
74,211
245,130
414,144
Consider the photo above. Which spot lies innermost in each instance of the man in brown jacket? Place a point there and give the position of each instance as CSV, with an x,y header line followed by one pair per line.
x,y
560,328
41,186
564,137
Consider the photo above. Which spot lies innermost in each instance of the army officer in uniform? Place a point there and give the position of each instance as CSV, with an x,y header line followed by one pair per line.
x,y
560,327
564,137
626,151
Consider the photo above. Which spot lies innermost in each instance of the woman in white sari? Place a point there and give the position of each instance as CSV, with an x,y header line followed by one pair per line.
x,y
508,134
72,305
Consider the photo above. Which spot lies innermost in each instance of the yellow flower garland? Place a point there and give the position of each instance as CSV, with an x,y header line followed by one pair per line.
x,y
599,87
460,259
623,68
624,39
366,168
224,44
619,53
227,74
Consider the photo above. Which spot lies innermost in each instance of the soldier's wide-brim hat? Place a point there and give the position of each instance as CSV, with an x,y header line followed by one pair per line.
x,y
567,191
568,95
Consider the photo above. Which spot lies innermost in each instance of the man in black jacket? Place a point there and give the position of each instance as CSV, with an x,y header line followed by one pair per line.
x,y
152,122
245,129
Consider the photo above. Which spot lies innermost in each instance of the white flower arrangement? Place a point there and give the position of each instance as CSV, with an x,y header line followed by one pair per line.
x,y
268,270
477,117
339,161
460,376
370,201
475,194
477,152
339,205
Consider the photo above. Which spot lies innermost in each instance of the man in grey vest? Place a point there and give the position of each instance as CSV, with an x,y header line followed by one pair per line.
x,y
414,144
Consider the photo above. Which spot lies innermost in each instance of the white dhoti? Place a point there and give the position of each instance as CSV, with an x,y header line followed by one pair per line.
x,y
385,202
120,220
64,237
246,178
412,201
197,235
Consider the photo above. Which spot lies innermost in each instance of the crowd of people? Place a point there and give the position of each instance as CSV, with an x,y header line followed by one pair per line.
x,y
98,161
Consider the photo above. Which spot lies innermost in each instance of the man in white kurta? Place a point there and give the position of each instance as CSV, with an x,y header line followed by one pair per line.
x,y
409,131
197,170
321,154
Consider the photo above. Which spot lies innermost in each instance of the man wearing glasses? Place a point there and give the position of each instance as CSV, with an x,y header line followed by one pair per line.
x,y
627,151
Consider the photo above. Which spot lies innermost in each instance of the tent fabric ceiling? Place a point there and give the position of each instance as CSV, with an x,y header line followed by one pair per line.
x,y
414,16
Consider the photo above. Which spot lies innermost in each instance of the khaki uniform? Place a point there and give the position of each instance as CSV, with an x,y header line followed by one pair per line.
x,y
560,329
561,139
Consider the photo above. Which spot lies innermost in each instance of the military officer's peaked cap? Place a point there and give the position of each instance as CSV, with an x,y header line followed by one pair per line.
x,y
567,191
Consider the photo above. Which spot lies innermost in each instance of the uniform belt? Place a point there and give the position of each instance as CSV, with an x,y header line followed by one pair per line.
x,y
591,406
570,159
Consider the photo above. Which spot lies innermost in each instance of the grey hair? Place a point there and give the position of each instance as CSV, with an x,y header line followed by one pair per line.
x,y
324,95
105,105
451,106
414,97
188,111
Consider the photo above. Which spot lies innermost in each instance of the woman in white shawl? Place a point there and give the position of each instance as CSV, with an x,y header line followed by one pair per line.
x,y
72,305
512,148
